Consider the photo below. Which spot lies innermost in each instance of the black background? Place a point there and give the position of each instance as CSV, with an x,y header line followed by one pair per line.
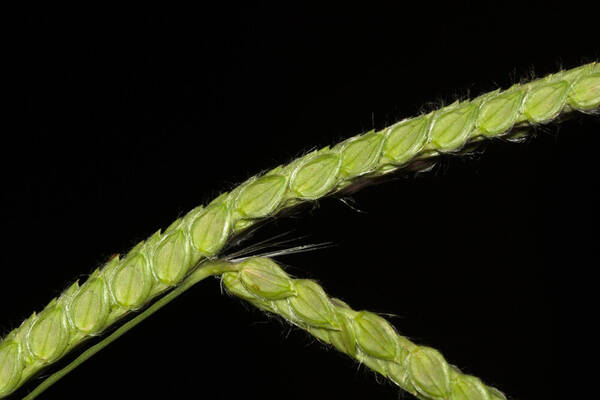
x,y
122,121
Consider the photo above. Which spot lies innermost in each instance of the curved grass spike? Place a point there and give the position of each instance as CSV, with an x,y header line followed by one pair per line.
x,y
208,268
163,260
362,335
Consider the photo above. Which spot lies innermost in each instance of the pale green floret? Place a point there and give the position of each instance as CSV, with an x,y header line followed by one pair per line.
x,y
89,309
585,93
261,197
48,337
312,305
429,373
131,282
264,278
316,177
281,307
210,229
405,139
232,282
360,155
466,387
10,366
344,339
398,373
171,259
545,102
500,113
372,332
451,129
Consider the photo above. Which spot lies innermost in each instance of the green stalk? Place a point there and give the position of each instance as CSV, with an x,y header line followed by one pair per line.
x,y
362,335
165,259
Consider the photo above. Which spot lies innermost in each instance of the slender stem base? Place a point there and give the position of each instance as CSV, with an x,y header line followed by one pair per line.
x,y
210,268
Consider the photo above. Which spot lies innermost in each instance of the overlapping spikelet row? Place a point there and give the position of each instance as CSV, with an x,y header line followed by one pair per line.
x,y
364,336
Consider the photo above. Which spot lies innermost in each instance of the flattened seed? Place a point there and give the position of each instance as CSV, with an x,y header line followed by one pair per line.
x,y
10,367
232,282
317,176
264,278
545,102
500,113
429,373
48,336
360,155
89,309
283,308
405,139
344,340
452,128
262,196
210,230
585,93
171,259
399,374
131,283
312,305
373,335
